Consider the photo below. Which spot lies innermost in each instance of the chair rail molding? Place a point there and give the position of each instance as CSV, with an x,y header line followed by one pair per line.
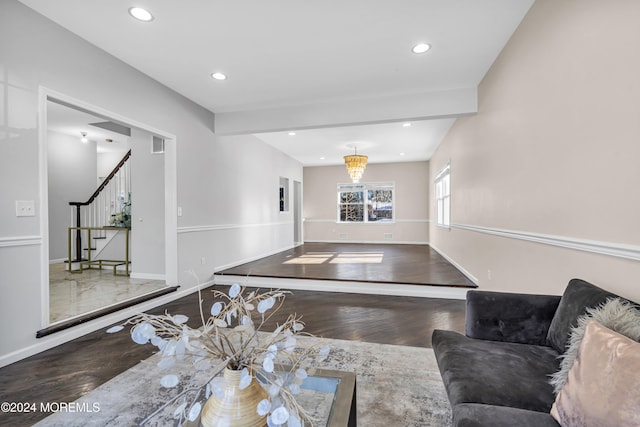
x,y
20,241
617,250
214,227
395,221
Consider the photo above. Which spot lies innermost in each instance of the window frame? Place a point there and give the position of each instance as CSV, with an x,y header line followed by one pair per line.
x,y
365,187
442,191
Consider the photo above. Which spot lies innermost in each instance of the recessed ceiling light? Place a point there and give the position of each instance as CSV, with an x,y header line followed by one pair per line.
x,y
292,133
406,125
84,137
141,14
402,154
421,48
219,76
322,158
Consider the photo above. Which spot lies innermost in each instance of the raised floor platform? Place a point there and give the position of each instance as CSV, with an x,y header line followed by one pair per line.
x,y
358,268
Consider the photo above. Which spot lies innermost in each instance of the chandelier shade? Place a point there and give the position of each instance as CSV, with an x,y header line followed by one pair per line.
x,y
355,164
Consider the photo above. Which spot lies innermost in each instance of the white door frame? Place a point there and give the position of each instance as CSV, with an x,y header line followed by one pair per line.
x,y
298,238
170,182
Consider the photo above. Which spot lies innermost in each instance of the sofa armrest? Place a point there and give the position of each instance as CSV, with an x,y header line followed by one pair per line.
x,y
510,317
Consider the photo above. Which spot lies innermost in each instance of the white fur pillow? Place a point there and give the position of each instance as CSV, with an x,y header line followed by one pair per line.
x,y
616,314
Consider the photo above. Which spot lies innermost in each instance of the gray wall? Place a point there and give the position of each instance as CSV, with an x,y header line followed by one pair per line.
x,y
72,178
147,207
230,212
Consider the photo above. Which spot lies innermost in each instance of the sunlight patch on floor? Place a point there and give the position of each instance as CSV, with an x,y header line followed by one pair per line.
x,y
337,258
311,258
358,258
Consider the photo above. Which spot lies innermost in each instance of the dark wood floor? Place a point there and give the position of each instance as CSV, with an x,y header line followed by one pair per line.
x,y
406,264
67,372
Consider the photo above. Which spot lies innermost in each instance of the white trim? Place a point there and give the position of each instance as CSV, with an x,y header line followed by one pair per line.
x,y
396,221
446,169
170,193
252,258
49,93
148,276
470,276
394,289
618,250
216,227
371,242
67,335
57,261
43,168
20,241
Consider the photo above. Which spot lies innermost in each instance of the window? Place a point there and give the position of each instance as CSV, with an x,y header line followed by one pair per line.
x,y
443,196
365,202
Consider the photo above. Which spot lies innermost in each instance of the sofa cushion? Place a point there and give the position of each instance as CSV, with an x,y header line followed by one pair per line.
x,y
478,415
601,388
495,373
578,296
510,317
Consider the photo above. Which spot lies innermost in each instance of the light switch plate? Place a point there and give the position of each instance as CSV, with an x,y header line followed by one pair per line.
x,y
25,208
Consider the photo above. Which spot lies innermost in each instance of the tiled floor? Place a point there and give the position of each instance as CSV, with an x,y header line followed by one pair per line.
x,y
73,294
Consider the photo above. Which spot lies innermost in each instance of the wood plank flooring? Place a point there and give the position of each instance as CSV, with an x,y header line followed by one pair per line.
x,y
65,373
405,264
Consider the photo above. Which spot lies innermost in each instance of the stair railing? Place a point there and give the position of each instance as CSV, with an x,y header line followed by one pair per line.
x,y
104,204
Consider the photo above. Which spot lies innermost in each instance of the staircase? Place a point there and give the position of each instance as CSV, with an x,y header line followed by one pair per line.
x,y
101,221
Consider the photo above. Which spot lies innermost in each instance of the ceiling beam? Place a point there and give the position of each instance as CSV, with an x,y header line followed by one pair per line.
x,y
415,106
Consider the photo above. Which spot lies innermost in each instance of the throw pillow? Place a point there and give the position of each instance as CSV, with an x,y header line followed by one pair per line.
x,y
577,297
616,314
602,386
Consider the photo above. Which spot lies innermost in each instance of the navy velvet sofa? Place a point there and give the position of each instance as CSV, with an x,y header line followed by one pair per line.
x,y
497,374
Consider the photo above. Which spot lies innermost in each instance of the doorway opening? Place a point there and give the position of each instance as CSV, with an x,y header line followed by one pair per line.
x,y
96,258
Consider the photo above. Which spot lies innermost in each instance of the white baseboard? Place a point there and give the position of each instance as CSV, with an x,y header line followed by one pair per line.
x,y
57,261
392,289
369,242
148,276
456,265
253,258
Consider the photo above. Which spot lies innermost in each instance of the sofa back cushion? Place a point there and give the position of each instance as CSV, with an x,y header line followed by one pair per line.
x,y
578,296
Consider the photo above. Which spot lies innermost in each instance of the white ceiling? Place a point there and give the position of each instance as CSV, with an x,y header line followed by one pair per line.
x,y
69,121
382,143
284,53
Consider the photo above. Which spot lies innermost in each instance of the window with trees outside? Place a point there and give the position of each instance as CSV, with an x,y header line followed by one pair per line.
x,y
443,196
365,202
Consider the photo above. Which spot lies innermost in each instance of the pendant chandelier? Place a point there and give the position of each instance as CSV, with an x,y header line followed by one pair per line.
x,y
355,164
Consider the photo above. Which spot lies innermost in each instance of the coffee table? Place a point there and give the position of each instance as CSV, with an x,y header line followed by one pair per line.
x,y
328,394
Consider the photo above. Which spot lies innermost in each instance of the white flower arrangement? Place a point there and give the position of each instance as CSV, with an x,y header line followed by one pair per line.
x,y
231,337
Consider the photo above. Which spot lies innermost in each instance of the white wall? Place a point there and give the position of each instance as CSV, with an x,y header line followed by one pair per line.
x,y
107,162
237,218
72,173
221,221
411,199
147,208
551,158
